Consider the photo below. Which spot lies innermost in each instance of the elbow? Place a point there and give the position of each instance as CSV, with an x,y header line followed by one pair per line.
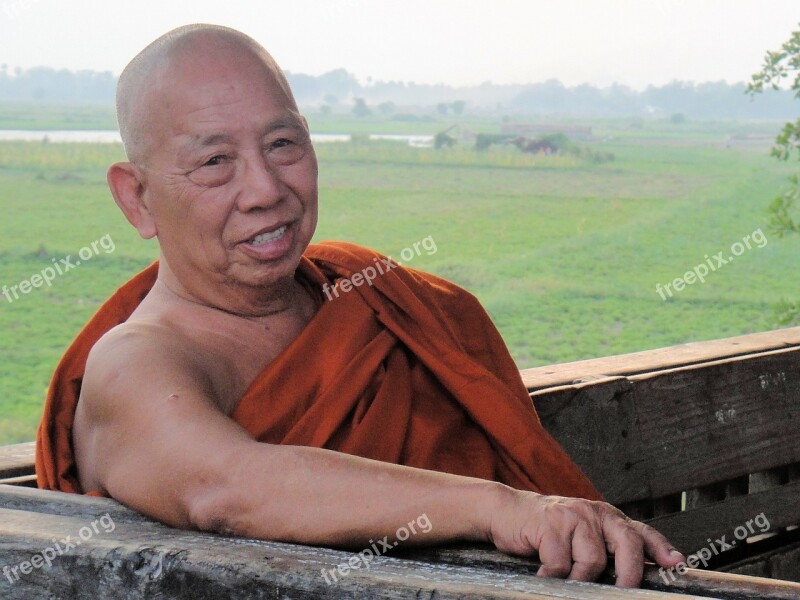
x,y
216,510
233,500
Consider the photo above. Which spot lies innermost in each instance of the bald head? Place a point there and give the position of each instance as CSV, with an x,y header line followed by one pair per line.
x,y
143,82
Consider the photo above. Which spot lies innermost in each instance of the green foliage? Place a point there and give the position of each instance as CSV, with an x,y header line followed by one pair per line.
x,y
779,66
782,67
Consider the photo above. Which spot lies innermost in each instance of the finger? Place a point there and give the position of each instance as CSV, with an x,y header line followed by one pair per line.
x,y
588,552
625,542
555,552
659,548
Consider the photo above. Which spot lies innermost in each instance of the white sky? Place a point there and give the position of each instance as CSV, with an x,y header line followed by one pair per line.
x,y
458,42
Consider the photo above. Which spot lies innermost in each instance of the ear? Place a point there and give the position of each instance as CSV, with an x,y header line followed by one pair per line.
x,y
126,183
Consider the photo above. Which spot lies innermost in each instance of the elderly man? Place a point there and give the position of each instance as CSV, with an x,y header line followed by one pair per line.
x,y
220,390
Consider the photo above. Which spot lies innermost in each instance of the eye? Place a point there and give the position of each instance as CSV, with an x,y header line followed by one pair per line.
x,y
215,160
217,170
282,143
285,151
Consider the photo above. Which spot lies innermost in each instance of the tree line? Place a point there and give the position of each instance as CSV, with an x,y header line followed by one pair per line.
x,y
339,91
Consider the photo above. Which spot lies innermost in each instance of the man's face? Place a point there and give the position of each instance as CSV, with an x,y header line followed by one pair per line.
x,y
231,175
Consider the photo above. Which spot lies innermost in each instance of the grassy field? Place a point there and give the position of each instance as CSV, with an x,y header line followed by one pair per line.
x,y
565,254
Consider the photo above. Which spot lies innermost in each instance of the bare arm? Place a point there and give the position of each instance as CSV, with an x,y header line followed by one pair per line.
x,y
149,432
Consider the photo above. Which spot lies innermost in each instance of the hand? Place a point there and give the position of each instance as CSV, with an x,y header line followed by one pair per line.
x,y
574,537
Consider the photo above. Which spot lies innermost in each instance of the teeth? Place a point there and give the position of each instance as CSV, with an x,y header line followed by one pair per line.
x,y
268,237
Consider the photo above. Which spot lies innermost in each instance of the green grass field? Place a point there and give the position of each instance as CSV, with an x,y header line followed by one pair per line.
x,y
564,254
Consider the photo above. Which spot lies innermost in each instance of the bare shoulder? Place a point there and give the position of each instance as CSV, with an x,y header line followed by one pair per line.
x,y
131,374
138,355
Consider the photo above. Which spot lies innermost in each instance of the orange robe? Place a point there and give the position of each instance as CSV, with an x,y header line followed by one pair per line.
x,y
407,370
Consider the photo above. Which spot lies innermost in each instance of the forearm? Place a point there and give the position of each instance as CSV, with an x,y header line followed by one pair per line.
x,y
315,496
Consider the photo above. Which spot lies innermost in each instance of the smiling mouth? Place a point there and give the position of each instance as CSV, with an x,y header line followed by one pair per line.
x,y
270,236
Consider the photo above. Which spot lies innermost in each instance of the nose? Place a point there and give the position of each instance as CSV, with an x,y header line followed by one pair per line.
x,y
262,185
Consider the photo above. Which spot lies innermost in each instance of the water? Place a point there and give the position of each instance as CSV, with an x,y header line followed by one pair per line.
x,y
110,137
93,136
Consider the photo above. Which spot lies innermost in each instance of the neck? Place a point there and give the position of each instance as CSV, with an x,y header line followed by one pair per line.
x,y
285,296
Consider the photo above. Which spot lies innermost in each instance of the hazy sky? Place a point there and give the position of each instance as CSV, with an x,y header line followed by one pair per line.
x,y
635,42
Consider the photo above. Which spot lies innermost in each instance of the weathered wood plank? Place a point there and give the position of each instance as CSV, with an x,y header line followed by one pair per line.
x,y
783,563
693,581
17,460
660,358
690,530
24,480
85,509
67,505
596,423
652,435
720,420
149,560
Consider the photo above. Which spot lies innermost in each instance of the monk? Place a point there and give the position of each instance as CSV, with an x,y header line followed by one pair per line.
x,y
220,390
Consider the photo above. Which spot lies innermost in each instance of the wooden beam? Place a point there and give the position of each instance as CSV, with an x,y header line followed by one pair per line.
x,y
692,581
782,563
691,529
462,558
720,420
596,423
24,480
150,560
660,358
652,435
17,460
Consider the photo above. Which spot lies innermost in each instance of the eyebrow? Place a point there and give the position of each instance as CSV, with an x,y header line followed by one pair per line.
x,y
224,138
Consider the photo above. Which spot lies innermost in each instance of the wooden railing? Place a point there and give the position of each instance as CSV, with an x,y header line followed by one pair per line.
x,y
700,440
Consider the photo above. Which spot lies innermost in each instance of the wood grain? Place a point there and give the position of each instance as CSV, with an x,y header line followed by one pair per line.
x,y
148,560
17,460
652,435
660,358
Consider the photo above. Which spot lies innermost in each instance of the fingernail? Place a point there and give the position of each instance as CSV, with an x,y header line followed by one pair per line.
x,y
675,552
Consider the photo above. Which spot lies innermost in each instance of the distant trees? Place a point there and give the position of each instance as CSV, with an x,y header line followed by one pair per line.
x,y
386,108
360,108
337,88
52,85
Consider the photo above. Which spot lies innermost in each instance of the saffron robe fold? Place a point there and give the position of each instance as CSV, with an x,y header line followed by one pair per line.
x,y
407,369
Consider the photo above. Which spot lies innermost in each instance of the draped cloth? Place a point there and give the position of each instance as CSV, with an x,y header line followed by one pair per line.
x,y
407,369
